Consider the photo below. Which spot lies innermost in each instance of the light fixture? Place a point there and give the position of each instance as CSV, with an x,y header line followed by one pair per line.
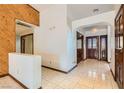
x,y
94,30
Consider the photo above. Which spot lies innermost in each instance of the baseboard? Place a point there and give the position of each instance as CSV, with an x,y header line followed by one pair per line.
x,y
112,74
3,75
84,59
72,68
20,82
55,69
40,88
59,70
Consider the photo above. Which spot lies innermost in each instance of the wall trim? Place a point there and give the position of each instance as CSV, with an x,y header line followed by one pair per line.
x,y
72,68
60,70
112,73
3,75
54,69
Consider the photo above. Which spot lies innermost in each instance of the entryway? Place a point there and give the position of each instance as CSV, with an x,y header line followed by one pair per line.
x,y
96,47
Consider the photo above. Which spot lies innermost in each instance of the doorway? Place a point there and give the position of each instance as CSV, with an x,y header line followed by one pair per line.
x,y
24,38
27,44
96,47
92,47
80,48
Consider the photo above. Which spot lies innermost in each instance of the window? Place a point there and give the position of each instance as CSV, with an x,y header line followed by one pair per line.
x,y
95,43
89,43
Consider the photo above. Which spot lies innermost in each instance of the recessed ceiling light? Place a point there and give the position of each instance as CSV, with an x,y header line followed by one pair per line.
x,y
94,30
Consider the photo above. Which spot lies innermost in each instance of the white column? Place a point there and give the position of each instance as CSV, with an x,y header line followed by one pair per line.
x,y
109,42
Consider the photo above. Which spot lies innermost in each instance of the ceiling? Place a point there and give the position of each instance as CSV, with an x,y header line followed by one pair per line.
x,y
94,27
22,29
78,11
98,26
41,7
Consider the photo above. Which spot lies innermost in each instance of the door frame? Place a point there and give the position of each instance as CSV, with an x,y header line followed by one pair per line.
x,y
31,34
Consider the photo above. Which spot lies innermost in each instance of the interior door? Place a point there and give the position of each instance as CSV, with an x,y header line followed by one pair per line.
x,y
92,47
80,48
103,47
119,30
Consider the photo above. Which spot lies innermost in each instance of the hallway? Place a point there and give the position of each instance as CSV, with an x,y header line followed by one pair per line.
x,y
90,74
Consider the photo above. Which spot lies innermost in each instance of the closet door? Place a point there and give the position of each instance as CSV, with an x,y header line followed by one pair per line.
x,y
119,53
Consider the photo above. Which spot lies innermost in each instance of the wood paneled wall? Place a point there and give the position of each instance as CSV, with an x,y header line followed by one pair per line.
x,y
8,15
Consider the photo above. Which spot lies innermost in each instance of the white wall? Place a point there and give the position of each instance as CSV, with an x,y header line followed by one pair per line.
x,y
108,18
117,7
72,61
52,38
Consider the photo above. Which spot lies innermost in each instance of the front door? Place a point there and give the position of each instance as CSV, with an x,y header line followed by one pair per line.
x,y
92,47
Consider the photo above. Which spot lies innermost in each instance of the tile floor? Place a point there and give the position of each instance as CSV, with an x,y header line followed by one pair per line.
x,y
8,83
89,74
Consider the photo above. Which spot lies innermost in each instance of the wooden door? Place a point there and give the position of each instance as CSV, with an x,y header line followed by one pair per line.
x,y
103,47
92,46
80,48
119,52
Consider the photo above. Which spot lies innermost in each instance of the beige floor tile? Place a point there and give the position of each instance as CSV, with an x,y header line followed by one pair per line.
x,y
89,74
